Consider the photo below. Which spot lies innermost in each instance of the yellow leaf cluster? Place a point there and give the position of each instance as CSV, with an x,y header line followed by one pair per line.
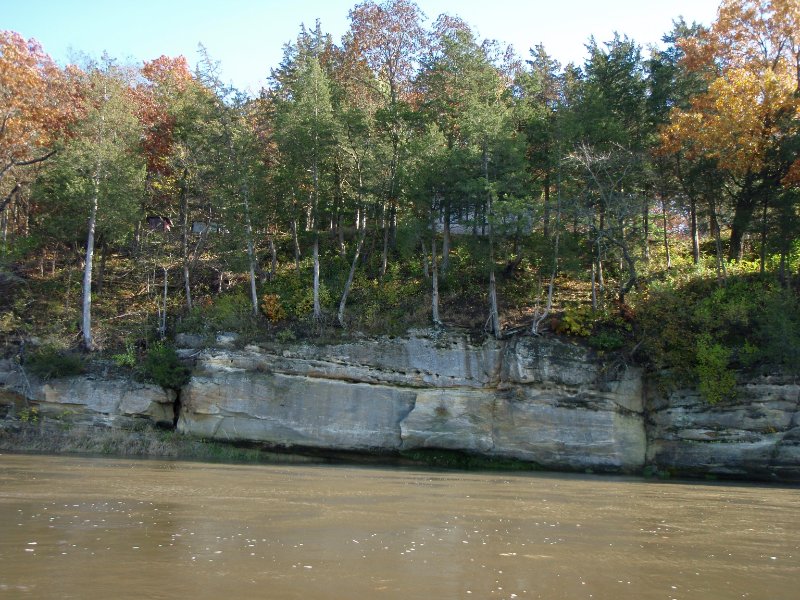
x,y
750,58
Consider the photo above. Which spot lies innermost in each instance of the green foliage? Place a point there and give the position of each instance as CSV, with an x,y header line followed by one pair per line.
x,y
304,301
29,415
162,366
50,362
777,332
296,295
228,312
716,381
576,320
127,358
286,336
386,305
703,332
607,340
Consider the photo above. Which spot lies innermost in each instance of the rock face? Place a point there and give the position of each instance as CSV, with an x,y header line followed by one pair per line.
x,y
544,401
92,399
755,436
536,400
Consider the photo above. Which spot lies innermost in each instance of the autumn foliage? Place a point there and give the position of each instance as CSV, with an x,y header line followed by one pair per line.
x,y
751,61
37,102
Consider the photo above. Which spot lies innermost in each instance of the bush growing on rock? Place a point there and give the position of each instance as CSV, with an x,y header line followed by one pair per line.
x,y
162,366
49,362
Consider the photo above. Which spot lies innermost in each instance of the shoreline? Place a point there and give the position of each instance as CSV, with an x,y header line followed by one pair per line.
x,y
147,442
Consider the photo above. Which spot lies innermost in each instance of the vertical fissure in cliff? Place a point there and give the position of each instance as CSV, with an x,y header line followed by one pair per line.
x,y
176,409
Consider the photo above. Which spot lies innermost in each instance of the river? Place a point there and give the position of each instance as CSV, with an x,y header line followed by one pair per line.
x,y
105,528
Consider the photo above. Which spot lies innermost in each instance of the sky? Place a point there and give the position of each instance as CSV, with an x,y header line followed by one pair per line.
x,y
247,36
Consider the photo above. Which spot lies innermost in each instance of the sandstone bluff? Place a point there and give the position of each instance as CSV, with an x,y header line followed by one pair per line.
x,y
539,400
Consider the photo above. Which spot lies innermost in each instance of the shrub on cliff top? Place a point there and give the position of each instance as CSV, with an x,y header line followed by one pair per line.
x,y
162,366
48,362
704,332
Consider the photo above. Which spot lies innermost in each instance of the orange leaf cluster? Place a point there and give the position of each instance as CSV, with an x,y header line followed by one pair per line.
x,y
751,58
165,78
38,100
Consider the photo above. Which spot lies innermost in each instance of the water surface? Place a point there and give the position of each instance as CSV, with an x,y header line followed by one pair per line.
x,y
101,528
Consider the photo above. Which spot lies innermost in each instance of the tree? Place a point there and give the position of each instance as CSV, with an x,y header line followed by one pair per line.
x,y
37,105
539,98
99,170
749,113
465,98
305,131
389,38
608,128
671,85
181,117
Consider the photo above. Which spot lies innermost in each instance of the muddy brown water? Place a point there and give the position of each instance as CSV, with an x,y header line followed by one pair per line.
x,y
103,528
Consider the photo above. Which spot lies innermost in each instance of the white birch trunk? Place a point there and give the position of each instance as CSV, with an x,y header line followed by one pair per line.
x,y
250,252
351,274
317,306
86,321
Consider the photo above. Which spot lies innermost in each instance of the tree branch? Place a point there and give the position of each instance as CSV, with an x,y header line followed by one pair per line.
x,y
5,202
33,161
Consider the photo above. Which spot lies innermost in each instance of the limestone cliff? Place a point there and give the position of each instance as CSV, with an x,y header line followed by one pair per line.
x,y
93,399
543,401
756,435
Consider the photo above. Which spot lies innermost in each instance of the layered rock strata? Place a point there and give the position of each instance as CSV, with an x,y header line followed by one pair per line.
x,y
755,435
89,400
542,401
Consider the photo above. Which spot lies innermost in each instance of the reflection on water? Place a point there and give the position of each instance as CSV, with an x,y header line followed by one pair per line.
x,y
78,528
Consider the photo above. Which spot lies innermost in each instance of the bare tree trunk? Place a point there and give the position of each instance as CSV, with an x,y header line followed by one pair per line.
x,y
426,269
494,313
446,240
317,307
385,252
600,278
594,286
340,232
666,237
546,216
86,321
251,255
348,284
184,216
296,246
626,286
695,232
